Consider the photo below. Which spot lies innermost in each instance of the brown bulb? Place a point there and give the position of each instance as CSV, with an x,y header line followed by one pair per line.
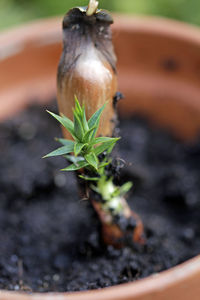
x,y
87,68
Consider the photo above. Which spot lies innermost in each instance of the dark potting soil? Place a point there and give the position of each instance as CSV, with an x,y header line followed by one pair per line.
x,y
49,238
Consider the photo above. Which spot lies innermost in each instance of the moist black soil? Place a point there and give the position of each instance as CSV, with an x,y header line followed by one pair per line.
x,y
49,238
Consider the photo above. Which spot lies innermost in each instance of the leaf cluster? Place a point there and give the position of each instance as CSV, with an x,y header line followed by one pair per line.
x,y
85,146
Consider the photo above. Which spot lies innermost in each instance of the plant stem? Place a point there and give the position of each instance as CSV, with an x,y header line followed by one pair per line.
x,y
92,7
129,232
120,225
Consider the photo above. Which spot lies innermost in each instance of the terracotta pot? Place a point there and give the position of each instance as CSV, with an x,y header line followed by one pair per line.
x,y
159,73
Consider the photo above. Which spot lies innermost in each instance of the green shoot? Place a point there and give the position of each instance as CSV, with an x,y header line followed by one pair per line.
x,y
84,151
85,145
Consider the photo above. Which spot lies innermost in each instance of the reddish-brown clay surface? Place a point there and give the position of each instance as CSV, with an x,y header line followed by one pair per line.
x,y
159,73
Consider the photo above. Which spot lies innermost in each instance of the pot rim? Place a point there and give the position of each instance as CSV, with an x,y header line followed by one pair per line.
x,y
170,280
154,284
52,27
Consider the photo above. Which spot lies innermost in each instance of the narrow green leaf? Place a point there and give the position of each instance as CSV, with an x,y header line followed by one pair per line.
x,y
100,140
116,192
87,178
92,159
77,148
74,159
96,119
87,136
94,188
78,129
109,150
67,123
102,165
104,147
74,167
125,188
81,113
78,108
61,151
85,123
96,116
64,142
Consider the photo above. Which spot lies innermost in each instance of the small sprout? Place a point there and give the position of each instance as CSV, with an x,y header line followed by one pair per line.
x,y
86,147
83,152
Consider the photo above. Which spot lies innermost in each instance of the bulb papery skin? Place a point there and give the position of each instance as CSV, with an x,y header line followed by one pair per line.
x,y
87,68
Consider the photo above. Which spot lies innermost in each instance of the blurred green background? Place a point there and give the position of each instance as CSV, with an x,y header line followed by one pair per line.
x,y
13,12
